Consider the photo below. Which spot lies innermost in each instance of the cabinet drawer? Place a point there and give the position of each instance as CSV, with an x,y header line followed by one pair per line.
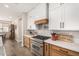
x,y
67,52
56,53
73,53
46,49
60,50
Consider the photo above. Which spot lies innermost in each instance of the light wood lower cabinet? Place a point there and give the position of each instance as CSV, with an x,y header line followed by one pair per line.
x,y
27,42
57,51
46,49
53,50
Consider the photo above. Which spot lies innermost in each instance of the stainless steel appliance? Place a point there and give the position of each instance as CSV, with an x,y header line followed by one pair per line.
x,y
38,45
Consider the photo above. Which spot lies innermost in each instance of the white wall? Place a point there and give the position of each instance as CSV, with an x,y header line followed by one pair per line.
x,y
16,31
36,13
24,25
21,23
24,20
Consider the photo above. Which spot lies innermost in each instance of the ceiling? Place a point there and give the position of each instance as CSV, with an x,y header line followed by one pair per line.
x,y
9,11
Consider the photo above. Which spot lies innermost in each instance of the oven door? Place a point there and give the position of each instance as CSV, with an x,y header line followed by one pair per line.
x,y
37,48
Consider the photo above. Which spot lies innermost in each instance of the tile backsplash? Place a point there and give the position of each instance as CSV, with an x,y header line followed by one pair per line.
x,y
44,32
75,34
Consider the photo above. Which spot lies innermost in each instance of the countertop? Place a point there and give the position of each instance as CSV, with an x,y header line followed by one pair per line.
x,y
29,35
70,46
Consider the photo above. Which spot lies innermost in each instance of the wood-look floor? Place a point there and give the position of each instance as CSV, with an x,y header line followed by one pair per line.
x,y
12,49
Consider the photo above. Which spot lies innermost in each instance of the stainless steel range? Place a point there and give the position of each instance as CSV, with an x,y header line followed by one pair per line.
x,y
38,45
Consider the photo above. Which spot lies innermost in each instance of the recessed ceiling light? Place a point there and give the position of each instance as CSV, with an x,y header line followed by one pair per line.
x,y
10,17
6,6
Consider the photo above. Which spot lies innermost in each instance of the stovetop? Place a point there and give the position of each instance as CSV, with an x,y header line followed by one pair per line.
x,y
41,37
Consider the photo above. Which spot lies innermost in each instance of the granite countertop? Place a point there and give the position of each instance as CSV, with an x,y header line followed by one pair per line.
x,y
67,45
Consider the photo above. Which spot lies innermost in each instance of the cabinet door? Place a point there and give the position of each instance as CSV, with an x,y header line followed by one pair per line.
x,y
46,49
72,16
55,18
27,42
62,21
57,51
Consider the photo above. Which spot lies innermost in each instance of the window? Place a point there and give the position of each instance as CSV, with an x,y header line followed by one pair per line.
x,y
4,27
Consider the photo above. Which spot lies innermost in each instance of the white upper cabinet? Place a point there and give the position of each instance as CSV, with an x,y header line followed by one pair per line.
x,y
56,16
64,16
36,13
72,16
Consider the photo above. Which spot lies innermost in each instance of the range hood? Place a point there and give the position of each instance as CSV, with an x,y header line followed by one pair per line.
x,y
41,21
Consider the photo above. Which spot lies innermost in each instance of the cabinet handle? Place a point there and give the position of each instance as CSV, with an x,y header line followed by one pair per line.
x,y
63,51
61,24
